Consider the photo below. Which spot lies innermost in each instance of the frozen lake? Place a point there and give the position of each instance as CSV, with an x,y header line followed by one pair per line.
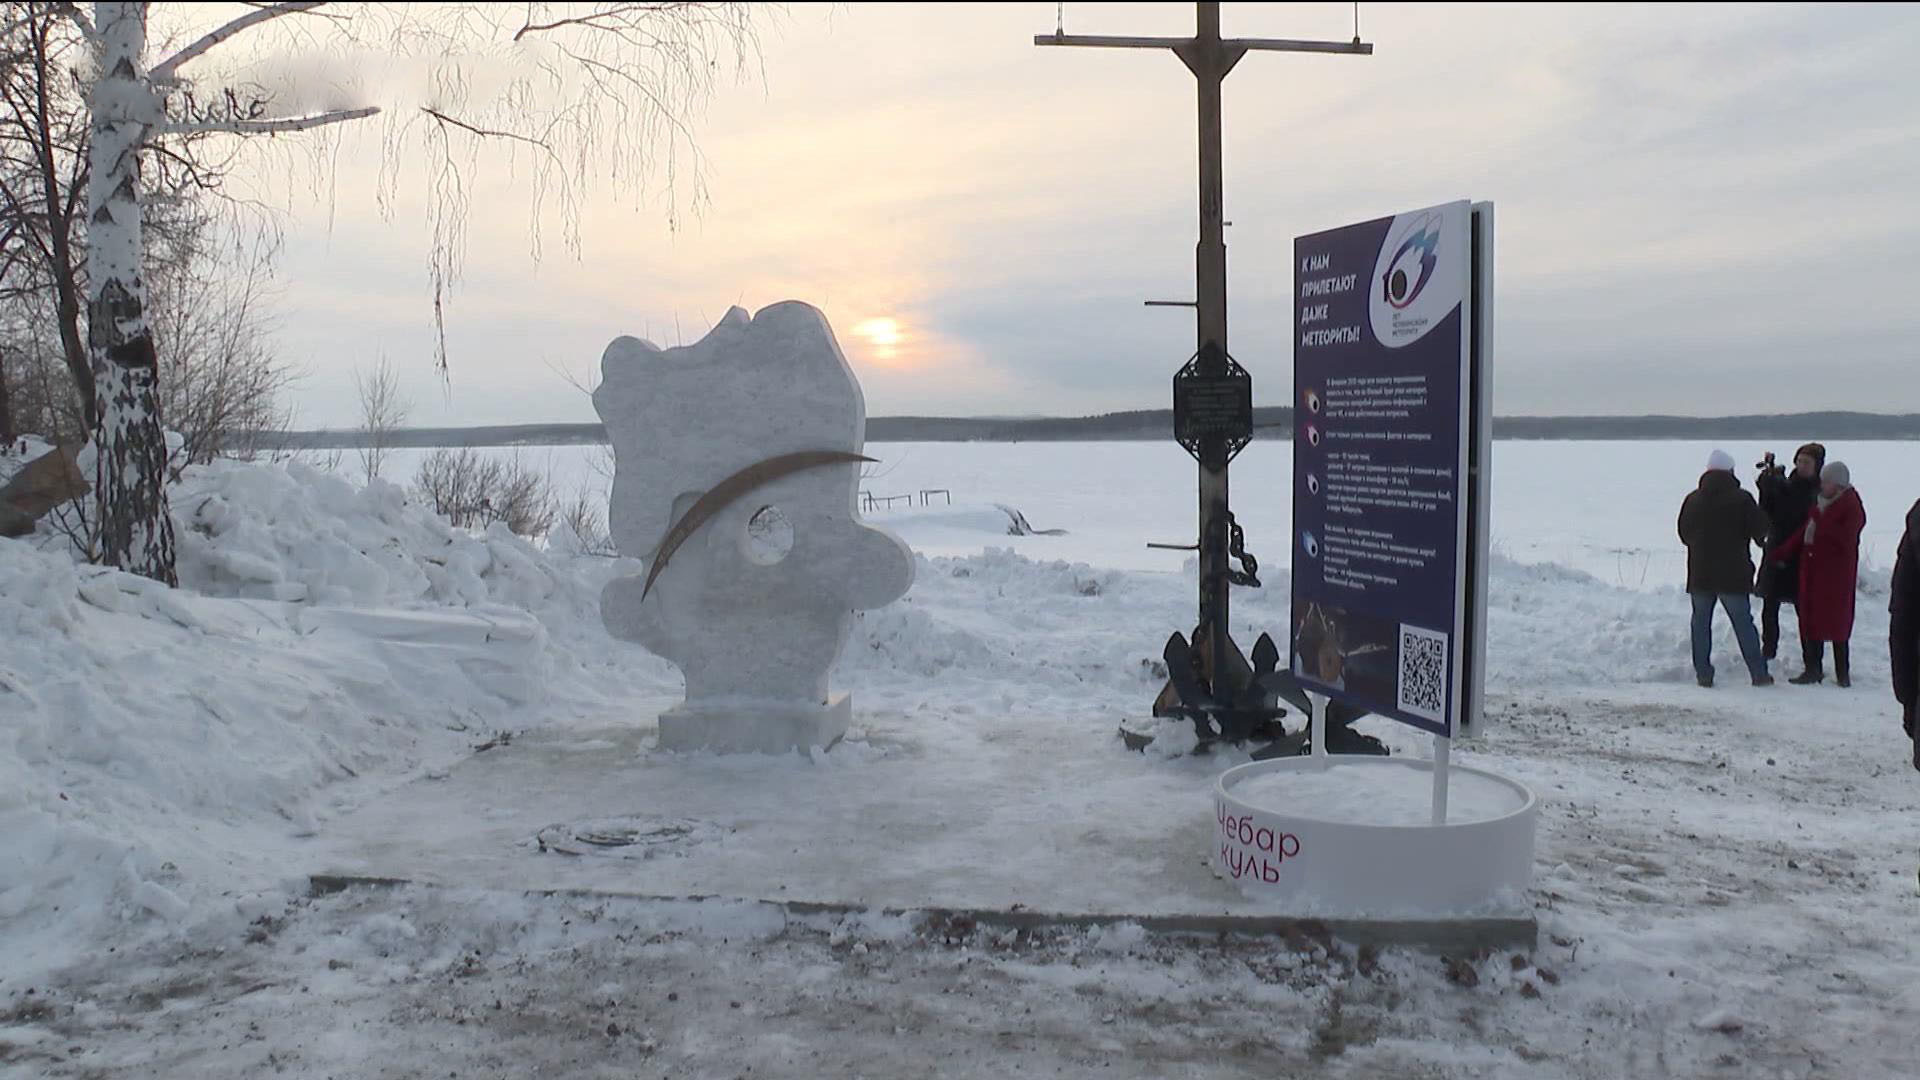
x,y
1606,508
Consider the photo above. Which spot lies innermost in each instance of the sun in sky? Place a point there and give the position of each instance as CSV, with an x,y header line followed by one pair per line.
x,y
883,334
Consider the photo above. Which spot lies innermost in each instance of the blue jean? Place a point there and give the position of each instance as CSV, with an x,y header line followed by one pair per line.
x,y
1739,607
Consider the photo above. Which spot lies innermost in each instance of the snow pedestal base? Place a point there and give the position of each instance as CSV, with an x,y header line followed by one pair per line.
x,y
1116,838
1354,837
746,726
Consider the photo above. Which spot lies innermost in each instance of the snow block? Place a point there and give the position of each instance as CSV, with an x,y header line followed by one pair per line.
x,y
161,901
749,727
499,649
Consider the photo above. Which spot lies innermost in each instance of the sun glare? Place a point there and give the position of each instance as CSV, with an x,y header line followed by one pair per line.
x,y
881,333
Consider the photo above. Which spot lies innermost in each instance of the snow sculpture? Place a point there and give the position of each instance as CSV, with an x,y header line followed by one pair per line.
x,y
736,465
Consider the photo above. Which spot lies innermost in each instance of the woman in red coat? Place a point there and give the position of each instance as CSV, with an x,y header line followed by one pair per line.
x,y
1829,550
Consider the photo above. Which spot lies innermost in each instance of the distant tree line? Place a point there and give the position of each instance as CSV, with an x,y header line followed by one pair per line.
x,y
1153,424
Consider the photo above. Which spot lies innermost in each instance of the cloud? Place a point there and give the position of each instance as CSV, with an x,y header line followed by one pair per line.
x,y
1692,202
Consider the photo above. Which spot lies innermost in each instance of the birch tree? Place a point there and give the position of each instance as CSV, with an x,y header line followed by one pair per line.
x,y
128,110
603,89
383,409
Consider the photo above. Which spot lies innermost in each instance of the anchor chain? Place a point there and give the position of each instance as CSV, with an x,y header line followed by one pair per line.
x,y
1249,577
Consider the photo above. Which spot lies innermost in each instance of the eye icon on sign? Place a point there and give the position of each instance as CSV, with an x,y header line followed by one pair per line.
x,y
1313,435
1312,401
1310,545
1313,484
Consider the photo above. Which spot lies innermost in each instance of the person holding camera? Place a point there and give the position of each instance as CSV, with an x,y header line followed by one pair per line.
x,y
1718,522
1903,631
1785,497
1828,548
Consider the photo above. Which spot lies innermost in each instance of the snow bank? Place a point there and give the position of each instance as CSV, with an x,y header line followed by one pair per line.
x,y
300,534
160,746
1551,625
1041,623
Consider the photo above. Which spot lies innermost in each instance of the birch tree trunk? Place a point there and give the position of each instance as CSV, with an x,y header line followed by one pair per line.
x,y
136,531
6,403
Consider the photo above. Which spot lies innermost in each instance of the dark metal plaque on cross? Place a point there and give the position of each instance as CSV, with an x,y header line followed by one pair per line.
x,y
1212,401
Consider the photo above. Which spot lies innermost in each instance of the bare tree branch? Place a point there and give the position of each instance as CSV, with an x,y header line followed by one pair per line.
x,y
485,133
8,28
613,14
270,127
163,72
71,12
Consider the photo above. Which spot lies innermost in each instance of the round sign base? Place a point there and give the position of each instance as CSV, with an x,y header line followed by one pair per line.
x,y
1353,836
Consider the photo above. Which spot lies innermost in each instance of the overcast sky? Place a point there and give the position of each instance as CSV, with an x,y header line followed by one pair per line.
x,y
1702,210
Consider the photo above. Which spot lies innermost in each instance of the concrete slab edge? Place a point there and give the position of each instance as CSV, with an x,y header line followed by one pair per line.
x,y
1461,936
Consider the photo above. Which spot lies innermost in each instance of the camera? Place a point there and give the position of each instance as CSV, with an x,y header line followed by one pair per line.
x,y
1767,464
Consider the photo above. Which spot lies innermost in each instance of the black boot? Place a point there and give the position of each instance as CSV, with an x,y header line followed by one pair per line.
x,y
1813,655
1842,669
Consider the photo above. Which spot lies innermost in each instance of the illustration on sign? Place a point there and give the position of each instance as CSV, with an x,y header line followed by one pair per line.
x,y
1384,470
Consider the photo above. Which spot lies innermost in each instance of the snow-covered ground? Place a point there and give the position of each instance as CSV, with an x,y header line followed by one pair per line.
x,y
1726,879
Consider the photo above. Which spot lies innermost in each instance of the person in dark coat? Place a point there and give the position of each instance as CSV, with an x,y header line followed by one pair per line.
x,y
1829,551
1903,630
1718,522
1785,497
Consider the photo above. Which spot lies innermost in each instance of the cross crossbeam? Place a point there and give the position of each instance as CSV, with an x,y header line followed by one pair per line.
x,y
1210,57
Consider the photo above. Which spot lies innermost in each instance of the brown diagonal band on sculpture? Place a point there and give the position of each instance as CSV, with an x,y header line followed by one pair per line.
x,y
724,493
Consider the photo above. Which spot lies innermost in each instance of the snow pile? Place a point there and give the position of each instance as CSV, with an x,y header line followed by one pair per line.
x,y
155,741
158,745
1551,625
300,534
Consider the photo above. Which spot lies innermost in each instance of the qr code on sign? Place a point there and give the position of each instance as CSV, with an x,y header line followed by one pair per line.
x,y
1423,673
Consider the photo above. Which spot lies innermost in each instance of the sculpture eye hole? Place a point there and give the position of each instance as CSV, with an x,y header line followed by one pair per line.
x,y
769,537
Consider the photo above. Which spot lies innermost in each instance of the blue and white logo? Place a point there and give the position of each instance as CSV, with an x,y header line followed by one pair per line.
x,y
1420,274
1412,264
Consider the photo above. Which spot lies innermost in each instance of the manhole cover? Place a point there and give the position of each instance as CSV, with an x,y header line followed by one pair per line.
x,y
625,837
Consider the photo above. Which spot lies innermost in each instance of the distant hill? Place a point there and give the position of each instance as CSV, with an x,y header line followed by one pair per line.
x,y
1154,424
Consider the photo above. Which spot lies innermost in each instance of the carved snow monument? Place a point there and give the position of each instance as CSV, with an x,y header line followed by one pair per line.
x,y
736,465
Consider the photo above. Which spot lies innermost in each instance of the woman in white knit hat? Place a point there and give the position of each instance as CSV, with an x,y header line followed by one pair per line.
x,y
1829,551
